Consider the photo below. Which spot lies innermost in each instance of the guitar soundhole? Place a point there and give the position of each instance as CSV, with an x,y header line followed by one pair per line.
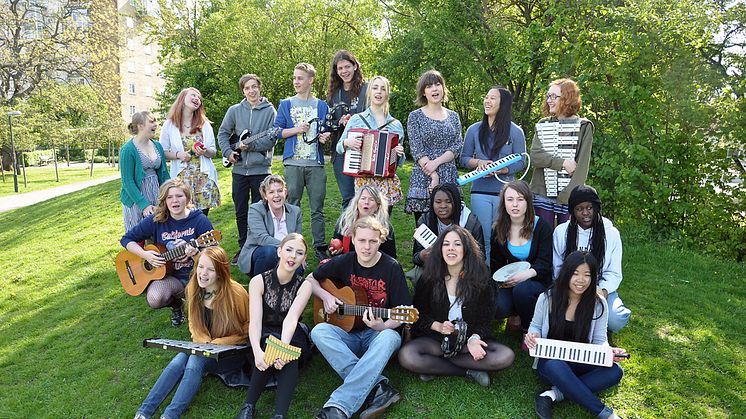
x,y
147,265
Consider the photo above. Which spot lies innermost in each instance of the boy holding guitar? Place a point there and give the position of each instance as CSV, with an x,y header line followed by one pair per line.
x,y
382,279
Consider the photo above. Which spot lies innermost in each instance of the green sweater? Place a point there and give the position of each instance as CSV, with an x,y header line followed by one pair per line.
x,y
130,167
541,159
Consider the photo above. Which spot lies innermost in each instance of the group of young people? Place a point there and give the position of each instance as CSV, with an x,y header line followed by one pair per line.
x,y
569,292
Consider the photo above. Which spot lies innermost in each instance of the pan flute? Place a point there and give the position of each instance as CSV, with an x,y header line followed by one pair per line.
x,y
582,353
560,139
208,350
425,236
275,348
489,169
374,157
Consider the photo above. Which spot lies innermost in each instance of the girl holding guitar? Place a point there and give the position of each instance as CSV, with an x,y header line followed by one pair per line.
x,y
218,314
278,298
573,311
455,286
173,222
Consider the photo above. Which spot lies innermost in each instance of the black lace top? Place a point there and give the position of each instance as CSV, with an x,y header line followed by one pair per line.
x,y
278,298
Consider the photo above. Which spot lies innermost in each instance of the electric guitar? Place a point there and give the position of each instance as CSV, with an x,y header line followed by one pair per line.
x,y
136,273
349,315
236,141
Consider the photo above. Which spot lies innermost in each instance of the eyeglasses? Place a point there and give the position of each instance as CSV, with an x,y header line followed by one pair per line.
x,y
553,97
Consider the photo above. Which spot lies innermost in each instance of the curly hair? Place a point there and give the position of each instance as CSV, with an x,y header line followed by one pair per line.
x,y
569,101
351,213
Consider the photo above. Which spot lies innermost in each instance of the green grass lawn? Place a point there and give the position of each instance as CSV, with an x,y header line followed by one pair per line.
x,y
71,339
38,178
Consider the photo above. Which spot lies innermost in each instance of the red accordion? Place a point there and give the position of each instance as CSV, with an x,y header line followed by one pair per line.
x,y
375,155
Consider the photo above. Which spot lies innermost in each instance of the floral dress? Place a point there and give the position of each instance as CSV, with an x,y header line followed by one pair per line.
x,y
205,192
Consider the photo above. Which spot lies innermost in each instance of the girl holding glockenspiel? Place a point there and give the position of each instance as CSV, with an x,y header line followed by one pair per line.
x,y
571,310
560,151
218,314
278,298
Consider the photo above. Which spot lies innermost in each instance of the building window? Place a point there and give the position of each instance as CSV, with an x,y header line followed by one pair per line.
x,y
149,91
132,88
130,22
131,66
132,110
148,70
131,44
147,49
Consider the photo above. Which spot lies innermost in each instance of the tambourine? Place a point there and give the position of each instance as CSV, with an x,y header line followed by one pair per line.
x,y
452,344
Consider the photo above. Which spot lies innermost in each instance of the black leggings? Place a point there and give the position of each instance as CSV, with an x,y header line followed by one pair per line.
x,y
423,356
287,377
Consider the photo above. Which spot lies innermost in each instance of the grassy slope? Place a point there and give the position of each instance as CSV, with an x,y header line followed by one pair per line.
x,y
38,178
70,339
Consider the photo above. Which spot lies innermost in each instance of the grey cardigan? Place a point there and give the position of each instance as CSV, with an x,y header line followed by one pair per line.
x,y
597,334
262,229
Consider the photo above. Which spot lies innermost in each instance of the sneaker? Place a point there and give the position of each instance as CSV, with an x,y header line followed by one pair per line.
x,y
479,377
177,316
380,398
426,378
543,406
234,261
139,415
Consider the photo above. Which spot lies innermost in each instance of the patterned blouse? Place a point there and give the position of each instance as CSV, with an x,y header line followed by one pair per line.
x,y
431,138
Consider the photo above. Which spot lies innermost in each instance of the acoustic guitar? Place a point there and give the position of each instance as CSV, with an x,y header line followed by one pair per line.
x,y
136,273
349,315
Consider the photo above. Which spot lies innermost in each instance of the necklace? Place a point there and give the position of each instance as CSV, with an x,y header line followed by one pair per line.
x,y
208,295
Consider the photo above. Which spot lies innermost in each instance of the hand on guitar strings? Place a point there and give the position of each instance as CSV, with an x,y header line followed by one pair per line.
x,y
154,258
375,323
331,303
189,251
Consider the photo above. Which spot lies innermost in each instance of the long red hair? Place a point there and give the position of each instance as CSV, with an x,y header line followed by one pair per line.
x,y
198,117
224,304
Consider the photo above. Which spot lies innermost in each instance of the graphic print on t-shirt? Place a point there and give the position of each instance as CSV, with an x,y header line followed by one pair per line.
x,y
300,114
169,239
375,288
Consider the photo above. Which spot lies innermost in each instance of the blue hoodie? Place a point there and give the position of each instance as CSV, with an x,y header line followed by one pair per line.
x,y
194,225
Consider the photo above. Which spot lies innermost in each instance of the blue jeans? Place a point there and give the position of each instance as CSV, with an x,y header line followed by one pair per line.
x,y
580,382
358,357
618,313
313,178
189,369
520,300
485,208
346,184
263,259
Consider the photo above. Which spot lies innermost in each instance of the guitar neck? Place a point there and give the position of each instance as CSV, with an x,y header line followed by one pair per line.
x,y
253,138
177,252
358,311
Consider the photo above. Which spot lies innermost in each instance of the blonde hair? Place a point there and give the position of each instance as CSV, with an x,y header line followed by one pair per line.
x,y
351,213
161,211
140,118
308,68
372,224
270,179
386,88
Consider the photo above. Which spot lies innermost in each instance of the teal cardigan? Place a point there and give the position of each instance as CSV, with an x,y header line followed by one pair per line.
x,y
130,167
